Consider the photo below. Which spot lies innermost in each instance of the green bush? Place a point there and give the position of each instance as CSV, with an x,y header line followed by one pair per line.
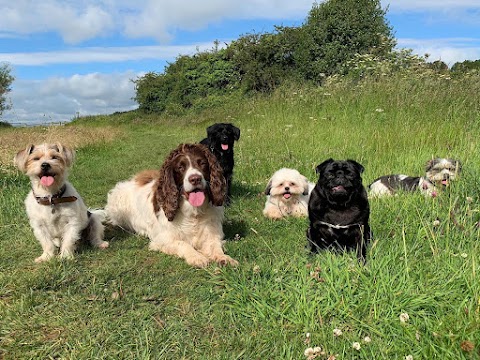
x,y
335,32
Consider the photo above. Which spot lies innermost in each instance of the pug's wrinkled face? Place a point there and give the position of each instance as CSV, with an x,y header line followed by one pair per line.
x,y
339,179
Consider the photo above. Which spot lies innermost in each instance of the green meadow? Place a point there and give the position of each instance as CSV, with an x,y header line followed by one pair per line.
x,y
418,295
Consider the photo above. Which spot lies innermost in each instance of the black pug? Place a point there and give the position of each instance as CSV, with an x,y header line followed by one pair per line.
x,y
220,139
338,209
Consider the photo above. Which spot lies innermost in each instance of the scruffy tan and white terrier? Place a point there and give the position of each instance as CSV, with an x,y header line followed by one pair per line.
x,y
287,193
57,213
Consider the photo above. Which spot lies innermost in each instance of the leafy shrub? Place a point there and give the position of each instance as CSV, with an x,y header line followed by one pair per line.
x,y
335,32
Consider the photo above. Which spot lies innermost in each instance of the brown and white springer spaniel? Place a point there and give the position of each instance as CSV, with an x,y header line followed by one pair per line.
x,y
179,208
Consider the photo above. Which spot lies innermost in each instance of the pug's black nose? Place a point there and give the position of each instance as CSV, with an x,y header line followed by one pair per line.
x,y
45,166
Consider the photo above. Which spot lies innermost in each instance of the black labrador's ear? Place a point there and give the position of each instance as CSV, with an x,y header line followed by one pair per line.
x,y
268,188
236,132
319,169
211,129
359,167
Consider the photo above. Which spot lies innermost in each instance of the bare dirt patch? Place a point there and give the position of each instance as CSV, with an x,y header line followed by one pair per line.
x,y
16,139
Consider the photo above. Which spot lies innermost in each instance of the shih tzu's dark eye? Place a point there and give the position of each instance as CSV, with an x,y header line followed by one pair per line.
x,y
36,158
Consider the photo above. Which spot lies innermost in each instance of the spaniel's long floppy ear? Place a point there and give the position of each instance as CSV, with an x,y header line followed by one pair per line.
x,y
218,184
167,194
20,159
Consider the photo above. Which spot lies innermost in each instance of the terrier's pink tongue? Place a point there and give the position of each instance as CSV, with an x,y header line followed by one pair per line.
x,y
286,195
47,180
196,198
224,146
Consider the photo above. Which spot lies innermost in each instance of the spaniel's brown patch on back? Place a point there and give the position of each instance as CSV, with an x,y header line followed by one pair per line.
x,y
146,177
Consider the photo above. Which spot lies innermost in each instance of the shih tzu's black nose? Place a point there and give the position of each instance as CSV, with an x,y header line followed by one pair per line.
x,y
45,166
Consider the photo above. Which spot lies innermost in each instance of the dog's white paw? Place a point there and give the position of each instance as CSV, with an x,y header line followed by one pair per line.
x,y
103,245
44,257
199,261
66,254
225,260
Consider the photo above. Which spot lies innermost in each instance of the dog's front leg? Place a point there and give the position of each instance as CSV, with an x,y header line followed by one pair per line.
x,y
212,247
174,245
69,242
44,238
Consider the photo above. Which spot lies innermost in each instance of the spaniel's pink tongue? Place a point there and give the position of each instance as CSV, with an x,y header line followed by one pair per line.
x,y
47,180
224,146
196,198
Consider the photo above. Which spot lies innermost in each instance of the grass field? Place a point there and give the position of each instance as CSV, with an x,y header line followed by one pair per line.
x,y
130,303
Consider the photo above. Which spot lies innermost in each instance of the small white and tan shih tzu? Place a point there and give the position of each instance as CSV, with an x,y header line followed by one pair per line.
x,y
57,213
287,194
438,174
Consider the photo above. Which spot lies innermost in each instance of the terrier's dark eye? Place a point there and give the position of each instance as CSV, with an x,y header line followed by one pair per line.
x,y
36,158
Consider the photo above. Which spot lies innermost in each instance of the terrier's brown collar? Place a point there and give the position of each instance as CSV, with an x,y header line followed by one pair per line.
x,y
55,199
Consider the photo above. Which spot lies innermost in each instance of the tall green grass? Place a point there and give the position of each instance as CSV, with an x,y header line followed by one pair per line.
x,y
127,302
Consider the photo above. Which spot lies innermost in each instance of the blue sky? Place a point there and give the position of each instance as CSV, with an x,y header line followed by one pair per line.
x,y
74,57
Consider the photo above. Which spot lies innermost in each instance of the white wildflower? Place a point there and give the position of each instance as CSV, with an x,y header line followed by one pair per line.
x,y
404,317
308,352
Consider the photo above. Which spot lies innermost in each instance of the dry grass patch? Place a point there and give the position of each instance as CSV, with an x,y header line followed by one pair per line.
x,y
14,139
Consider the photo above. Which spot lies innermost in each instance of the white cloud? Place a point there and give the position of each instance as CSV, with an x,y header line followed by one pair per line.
x,y
74,21
103,55
417,5
77,21
448,50
61,99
